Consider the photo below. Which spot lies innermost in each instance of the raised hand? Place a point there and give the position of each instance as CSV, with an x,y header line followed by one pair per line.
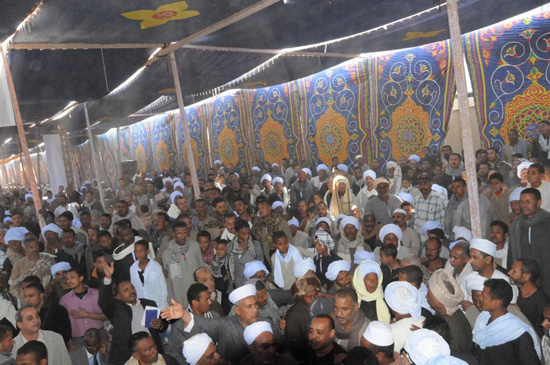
x,y
109,270
175,311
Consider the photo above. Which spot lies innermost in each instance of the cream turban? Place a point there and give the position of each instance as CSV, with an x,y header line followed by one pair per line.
x,y
423,344
390,228
253,267
254,330
52,227
245,291
302,267
391,165
361,255
484,245
403,298
441,284
335,267
195,347
379,334
381,180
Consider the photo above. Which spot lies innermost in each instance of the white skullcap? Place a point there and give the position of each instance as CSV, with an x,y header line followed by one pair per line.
x,y
277,204
302,267
379,334
245,291
322,219
253,267
484,245
27,196
15,234
403,298
277,180
342,167
60,266
522,166
167,179
369,173
179,184
307,171
256,168
294,222
445,360
440,189
335,267
77,223
424,344
7,219
390,228
370,267
515,195
322,167
415,158
400,211
254,330
406,197
265,177
349,220
361,255
195,347
462,232
429,225
218,162
474,281
275,164
174,195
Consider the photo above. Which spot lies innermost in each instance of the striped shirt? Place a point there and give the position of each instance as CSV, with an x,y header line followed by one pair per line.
x,y
431,209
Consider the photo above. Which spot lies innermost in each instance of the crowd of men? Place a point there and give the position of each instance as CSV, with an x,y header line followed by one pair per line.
x,y
342,264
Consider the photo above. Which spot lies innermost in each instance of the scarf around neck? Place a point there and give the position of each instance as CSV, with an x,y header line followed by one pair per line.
x,y
292,255
237,252
177,251
455,172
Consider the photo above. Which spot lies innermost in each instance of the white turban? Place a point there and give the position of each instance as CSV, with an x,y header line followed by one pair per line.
x,y
415,158
27,196
307,171
429,225
179,184
403,298
7,219
424,344
441,190
335,267
515,195
77,223
254,330
323,219
324,238
342,167
245,291
265,177
390,228
174,195
277,180
277,204
195,347
370,173
322,167
60,266
167,179
400,211
474,281
256,168
391,165
361,255
349,220
15,234
370,267
52,227
275,164
7,212
406,197
445,360
87,182
484,245
462,232
253,267
522,166
294,222
218,162
302,267
379,334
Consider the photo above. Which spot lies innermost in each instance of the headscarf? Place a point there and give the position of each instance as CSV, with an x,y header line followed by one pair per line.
x,y
324,238
403,298
439,285
341,205
362,270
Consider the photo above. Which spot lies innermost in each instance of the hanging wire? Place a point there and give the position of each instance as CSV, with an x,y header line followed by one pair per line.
x,y
105,71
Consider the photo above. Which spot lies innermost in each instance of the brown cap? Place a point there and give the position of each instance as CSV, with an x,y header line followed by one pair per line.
x,y
305,285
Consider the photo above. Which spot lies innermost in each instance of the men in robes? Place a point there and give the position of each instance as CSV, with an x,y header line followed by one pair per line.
x,y
262,346
350,321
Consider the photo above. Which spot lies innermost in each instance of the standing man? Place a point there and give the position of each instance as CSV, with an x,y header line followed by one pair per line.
x,y
382,205
516,145
458,264
350,322
411,238
430,206
322,350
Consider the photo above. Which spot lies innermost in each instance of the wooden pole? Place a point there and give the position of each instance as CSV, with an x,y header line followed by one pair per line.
x,y
7,182
31,178
464,107
94,157
187,142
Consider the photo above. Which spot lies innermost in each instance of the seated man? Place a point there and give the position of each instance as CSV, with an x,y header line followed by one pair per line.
x,y
144,351
93,351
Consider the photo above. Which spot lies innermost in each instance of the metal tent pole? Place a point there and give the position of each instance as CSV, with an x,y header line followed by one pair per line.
x,y
94,157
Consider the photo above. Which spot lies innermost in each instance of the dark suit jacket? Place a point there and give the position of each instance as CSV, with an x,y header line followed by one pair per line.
x,y
79,357
120,316
55,318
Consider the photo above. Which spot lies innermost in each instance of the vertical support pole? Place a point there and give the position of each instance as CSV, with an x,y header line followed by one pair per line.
x,y
7,182
31,178
38,158
118,158
24,179
190,156
464,107
94,157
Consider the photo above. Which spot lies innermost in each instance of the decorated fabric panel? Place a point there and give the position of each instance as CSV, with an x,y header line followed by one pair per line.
x,y
197,117
140,146
509,69
44,174
163,142
84,155
229,142
335,107
107,146
17,172
413,94
125,144
275,123
40,171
